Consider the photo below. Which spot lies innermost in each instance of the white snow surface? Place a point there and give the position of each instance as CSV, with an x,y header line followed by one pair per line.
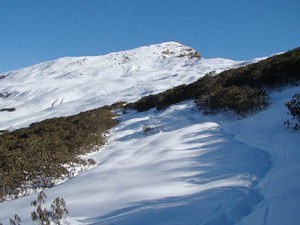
x,y
73,84
213,170
187,172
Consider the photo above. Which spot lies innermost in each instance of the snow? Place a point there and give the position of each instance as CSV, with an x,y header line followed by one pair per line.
x,y
190,169
68,85
281,187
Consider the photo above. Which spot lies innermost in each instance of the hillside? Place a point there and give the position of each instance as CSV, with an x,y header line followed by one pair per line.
x,y
176,165
67,86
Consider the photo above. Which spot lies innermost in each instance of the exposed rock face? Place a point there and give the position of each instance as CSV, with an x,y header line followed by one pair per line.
x,y
173,49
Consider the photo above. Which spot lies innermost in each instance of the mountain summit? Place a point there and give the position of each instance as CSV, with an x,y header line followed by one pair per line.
x,y
73,84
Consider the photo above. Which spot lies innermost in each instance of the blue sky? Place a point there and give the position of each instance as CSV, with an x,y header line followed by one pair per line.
x,y
33,31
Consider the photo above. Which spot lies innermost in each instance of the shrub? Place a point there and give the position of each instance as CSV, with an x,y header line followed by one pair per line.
x,y
29,156
294,110
241,100
162,100
245,87
147,129
91,162
8,109
46,217
151,129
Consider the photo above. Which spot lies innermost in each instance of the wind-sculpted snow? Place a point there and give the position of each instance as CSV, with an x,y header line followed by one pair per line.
x,y
70,85
187,171
281,186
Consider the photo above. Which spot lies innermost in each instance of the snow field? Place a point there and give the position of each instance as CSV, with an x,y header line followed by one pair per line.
x,y
190,172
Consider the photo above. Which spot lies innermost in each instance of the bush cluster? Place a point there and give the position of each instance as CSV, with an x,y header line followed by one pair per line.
x,y
294,110
160,101
8,109
39,152
43,216
152,129
241,100
242,90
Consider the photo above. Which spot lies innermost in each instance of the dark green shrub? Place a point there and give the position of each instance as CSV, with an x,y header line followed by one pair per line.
x,y
162,100
241,100
29,156
294,110
276,71
245,87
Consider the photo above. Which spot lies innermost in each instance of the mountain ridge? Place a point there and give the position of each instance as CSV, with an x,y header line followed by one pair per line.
x,y
70,85
180,167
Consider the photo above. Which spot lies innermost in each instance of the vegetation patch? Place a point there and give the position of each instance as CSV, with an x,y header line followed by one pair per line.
x,y
5,95
40,153
242,90
12,109
152,129
241,100
31,156
294,110
43,216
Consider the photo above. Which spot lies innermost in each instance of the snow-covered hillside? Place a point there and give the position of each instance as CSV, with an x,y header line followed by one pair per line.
x,y
69,85
190,170
214,170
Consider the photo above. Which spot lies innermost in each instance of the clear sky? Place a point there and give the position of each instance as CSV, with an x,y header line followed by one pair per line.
x,y
32,31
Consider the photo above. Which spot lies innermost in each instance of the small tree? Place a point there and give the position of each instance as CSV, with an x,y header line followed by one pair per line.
x,y
45,217
59,210
39,215
294,110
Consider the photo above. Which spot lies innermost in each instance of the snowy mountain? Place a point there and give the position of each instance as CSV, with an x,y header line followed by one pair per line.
x,y
212,170
69,85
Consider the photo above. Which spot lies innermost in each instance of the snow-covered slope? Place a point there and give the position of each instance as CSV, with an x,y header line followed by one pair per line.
x,y
191,170
70,85
281,186
214,170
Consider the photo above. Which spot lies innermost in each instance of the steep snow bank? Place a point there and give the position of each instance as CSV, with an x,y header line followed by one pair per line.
x,y
190,170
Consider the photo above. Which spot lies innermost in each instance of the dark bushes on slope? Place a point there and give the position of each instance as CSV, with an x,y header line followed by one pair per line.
x,y
37,153
241,100
276,71
162,100
242,90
